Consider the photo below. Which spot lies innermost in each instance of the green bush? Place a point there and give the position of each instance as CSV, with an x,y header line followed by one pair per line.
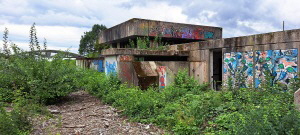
x,y
17,121
44,80
186,107
99,84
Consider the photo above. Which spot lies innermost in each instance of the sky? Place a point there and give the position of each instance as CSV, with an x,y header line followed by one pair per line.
x,y
63,22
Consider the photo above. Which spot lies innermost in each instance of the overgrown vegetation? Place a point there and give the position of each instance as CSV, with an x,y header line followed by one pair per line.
x,y
29,80
186,107
145,43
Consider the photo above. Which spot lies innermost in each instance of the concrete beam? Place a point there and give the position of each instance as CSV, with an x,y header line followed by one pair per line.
x,y
126,51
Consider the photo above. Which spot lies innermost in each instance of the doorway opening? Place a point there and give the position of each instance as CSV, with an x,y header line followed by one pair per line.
x,y
217,69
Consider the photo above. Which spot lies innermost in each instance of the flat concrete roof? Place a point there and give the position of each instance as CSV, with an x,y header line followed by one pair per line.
x,y
143,27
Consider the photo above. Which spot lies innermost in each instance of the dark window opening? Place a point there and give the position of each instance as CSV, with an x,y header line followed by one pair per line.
x,y
114,45
217,69
145,82
161,58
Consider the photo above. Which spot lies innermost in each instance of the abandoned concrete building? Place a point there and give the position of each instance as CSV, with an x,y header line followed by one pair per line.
x,y
201,50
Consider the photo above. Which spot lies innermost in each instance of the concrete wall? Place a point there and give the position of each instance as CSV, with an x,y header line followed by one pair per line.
x,y
275,52
172,69
96,64
250,56
143,52
111,65
142,27
145,73
200,65
242,54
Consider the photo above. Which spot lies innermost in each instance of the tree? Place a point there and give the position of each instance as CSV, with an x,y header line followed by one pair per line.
x,y
89,41
6,50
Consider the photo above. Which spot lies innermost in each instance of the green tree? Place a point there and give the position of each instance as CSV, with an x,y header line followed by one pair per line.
x,y
6,50
89,41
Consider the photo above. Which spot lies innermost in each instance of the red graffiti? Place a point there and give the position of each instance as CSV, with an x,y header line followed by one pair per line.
x,y
162,76
124,58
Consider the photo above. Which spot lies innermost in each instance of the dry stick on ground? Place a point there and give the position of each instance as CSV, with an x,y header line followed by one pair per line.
x,y
91,118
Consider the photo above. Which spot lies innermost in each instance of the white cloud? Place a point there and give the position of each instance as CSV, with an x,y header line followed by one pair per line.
x,y
284,10
62,22
58,37
14,8
203,18
158,11
258,26
59,18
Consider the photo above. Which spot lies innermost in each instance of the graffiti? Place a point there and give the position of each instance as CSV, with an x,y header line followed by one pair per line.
x,y
162,76
100,66
208,34
280,65
125,58
239,67
97,65
111,67
179,32
271,66
143,29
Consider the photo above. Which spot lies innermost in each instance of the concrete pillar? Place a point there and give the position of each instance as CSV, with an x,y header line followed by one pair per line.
x,y
199,65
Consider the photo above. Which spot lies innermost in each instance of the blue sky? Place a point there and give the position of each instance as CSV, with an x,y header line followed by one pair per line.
x,y
62,22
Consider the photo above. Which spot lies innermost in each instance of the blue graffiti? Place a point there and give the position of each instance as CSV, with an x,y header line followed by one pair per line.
x,y
186,33
99,65
111,68
280,65
208,34
239,64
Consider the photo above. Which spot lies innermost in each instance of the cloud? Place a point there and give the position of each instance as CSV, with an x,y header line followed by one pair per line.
x,y
61,18
58,37
62,22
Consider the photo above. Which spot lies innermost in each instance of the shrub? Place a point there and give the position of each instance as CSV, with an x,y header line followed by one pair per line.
x,y
186,107
18,120
44,80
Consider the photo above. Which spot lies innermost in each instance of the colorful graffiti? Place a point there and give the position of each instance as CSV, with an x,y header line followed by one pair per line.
x,y
280,65
110,68
239,67
162,76
174,31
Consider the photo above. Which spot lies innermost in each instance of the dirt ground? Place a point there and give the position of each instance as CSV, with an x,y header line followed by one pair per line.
x,y
83,114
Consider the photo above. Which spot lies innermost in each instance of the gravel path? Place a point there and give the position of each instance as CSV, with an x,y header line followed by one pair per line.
x,y
83,114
